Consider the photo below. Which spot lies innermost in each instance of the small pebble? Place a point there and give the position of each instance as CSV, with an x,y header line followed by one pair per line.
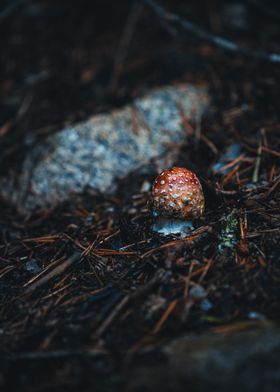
x,y
197,292
32,266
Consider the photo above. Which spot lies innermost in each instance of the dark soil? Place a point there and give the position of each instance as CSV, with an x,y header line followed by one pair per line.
x,y
84,288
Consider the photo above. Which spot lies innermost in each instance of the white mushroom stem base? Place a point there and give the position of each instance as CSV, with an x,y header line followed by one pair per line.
x,y
167,226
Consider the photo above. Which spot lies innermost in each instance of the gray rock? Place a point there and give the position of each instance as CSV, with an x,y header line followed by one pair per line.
x,y
106,147
246,361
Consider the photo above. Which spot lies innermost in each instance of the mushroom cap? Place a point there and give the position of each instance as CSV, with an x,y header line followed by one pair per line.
x,y
177,193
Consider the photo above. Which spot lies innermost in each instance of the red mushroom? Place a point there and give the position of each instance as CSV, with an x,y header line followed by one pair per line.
x,y
176,194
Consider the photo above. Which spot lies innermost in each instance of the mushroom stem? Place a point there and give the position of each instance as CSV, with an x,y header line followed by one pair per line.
x,y
167,226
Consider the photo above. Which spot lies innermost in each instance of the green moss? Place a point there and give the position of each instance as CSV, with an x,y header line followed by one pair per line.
x,y
229,231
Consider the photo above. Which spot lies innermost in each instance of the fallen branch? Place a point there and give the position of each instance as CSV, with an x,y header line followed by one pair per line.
x,y
217,40
38,355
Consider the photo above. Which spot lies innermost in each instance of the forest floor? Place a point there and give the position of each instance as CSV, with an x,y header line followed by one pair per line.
x,y
88,285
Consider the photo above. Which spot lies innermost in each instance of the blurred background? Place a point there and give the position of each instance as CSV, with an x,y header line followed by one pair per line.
x,y
64,60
